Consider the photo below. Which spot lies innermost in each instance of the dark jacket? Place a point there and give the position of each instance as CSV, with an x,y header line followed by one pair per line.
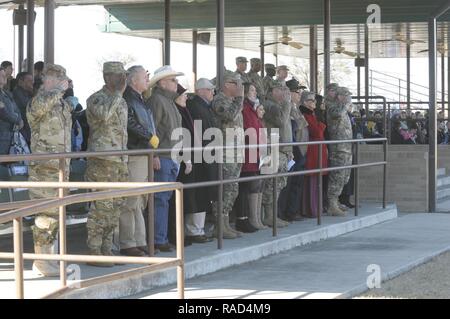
x,y
141,126
201,111
22,98
9,117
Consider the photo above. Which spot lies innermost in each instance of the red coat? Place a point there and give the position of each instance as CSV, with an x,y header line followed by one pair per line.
x,y
251,120
316,131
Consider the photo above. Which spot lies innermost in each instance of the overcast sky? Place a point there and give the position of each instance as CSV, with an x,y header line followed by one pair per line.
x,y
81,47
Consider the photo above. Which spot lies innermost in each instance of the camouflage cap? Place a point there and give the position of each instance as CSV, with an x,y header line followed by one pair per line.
x,y
332,86
255,60
275,84
282,67
307,95
241,59
230,76
114,67
343,91
269,66
55,70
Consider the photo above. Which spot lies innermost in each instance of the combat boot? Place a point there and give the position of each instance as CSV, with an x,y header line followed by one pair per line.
x,y
333,208
98,252
47,268
268,218
228,232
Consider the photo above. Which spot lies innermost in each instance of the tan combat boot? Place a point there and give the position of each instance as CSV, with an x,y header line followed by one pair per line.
x,y
98,252
268,218
333,208
47,268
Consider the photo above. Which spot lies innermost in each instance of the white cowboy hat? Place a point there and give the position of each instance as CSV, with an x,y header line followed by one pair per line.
x,y
163,72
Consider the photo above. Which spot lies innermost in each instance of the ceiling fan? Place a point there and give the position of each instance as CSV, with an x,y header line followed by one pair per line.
x,y
399,37
287,40
440,47
339,49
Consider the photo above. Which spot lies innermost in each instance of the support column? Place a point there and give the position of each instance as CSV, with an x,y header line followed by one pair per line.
x,y
49,34
21,41
262,51
358,68
408,70
327,42
313,58
30,36
194,54
432,132
220,42
366,66
448,73
443,82
166,60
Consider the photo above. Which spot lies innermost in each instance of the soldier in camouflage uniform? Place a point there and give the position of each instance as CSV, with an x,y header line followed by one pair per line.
x,y
50,121
277,119
270,73
107,115
227,106
339,128
282,74
256,79
241,67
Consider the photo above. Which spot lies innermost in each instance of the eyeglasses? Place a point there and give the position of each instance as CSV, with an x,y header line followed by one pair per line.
x,y
235,83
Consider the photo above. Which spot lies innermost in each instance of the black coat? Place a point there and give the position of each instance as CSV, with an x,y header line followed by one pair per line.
x,y
9,117
201,111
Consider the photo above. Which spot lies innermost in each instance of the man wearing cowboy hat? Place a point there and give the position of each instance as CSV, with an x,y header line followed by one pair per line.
x,y
50,120
107,115
167,118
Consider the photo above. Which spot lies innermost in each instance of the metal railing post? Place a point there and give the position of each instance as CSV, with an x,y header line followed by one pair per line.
x,y
18,257
274,206
151,209
385,146
180,241
356,179
320,187
219,217
62,225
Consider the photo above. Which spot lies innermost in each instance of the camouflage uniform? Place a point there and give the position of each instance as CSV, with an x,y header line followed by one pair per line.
x,y
229,114
244,77
107,115
50,121
255,79
339,128
268,79
277,116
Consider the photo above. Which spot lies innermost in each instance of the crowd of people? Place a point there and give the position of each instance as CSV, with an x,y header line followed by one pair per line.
x,y
134,110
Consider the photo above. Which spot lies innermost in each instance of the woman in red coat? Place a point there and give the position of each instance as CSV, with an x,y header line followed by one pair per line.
x,y
316,130
248,216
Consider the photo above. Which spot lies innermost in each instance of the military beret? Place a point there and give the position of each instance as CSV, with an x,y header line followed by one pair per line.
x,y
230,76
269,66
241,59
114,67
55,70
332,86
282,67
255,60
307,95
275,84
343,91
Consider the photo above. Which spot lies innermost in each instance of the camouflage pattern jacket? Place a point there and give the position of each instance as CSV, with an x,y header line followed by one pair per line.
x,y
244,77
50,121
339,126
257,81
279,116
229,115
107,115
266,81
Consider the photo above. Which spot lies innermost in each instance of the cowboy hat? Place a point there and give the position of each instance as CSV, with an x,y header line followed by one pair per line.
x,y
163,72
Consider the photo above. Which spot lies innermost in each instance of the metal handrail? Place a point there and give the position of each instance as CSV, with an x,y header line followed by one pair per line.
x,y
159,263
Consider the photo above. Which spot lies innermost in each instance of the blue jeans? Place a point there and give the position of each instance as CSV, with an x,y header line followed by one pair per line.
x,y
167,173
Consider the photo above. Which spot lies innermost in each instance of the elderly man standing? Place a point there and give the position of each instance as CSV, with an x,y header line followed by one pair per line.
x,y
141,135
227,105
339,128
277,118
255,79
50,121
107,115
282,74
167,118
241,68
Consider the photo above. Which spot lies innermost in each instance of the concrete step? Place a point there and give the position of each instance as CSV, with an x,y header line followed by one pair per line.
x,y
443,181
205,258
443,193
441,172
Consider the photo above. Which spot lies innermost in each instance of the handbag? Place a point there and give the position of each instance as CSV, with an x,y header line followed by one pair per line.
x,y
19,147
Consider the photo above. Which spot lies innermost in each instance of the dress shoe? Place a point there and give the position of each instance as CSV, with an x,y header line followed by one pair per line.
x,y
200,239
345,200
243,225
166,248
143,249
134,251
294,218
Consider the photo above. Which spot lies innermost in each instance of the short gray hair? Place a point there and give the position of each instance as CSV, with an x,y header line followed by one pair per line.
x,y
133,71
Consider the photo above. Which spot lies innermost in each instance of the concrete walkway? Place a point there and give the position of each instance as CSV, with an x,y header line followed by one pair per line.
x,y
334,268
